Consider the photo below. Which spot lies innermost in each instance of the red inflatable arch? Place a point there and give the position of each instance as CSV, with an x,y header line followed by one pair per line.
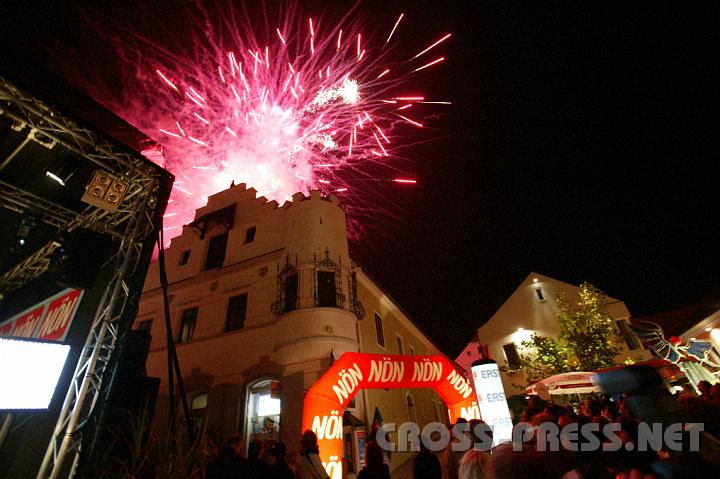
x,y
327,398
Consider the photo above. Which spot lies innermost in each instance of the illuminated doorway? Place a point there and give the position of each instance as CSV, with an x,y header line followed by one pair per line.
x,y
262,420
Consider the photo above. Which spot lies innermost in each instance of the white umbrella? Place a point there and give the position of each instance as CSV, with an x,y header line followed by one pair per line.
x,y
565,383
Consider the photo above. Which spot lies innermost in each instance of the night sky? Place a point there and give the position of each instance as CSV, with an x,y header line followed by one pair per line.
x,y
581,144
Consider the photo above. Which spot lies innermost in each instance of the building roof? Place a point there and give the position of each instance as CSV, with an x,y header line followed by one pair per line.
x,y
677,321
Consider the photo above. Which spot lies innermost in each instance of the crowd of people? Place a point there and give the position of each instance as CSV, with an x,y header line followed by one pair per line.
x,y
530,459
526,459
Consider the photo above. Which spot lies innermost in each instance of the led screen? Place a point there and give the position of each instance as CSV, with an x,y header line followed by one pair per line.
x,y
29,372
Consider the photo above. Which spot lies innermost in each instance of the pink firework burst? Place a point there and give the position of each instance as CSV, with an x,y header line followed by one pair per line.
x,y
304,104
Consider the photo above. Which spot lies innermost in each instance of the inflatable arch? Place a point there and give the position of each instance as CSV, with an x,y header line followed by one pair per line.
x,y
326,399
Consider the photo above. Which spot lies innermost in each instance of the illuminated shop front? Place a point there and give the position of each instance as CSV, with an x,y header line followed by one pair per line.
x,y
262,421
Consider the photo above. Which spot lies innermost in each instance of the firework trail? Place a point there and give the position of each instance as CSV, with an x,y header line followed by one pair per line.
x,y
303,105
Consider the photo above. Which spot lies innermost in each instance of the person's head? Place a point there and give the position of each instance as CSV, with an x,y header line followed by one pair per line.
x,y
539,419
565,419
704,387
308,443
278,451
715,391
254,449
235,442
373,455
623,410
589,408
480,433
610,411
535,402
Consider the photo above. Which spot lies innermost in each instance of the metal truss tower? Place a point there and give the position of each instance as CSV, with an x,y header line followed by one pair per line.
x,y
131,224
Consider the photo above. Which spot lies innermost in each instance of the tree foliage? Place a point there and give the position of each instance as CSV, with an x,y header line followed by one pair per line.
x,y
586,339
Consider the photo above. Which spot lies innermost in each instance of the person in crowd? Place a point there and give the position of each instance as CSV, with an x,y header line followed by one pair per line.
x,y
374,468
426,465
590,408
255,467
229,464
309,465
280,468
449,459
472,463
715,393
506,463
704,388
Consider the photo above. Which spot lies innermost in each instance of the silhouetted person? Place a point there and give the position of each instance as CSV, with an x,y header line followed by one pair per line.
x,y
229,464
374,468
255,468
280,468
426,465
309,465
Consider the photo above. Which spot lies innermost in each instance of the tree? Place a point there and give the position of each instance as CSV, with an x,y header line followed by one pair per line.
x,y
586,339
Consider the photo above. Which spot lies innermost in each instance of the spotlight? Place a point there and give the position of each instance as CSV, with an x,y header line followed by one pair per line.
x,y
25,227
105,191
55,177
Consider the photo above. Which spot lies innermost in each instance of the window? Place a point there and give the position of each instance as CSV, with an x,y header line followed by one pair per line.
x,y
539,293
412,414
198,406
187,325
145,325
398,339
291,293
512,356
184,257
326,289
630,339
436,411
216,251
250,235
379,330
237,309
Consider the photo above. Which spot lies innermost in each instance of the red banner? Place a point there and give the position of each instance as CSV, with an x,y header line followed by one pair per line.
x,y
49,320
26,323
325,400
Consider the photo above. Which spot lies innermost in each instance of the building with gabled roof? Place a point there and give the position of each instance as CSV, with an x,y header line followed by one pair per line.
x,y
531,309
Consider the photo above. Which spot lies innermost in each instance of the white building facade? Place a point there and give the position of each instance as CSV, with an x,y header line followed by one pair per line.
x,y
262,299
532,309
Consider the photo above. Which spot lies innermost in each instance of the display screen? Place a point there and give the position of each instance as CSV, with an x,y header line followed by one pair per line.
x,y
29,372
491,400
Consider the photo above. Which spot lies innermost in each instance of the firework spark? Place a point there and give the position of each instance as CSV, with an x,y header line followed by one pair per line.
x,y
288,110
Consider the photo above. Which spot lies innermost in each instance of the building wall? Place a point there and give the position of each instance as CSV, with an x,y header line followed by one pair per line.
x,y
524,313
393,403
294,347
